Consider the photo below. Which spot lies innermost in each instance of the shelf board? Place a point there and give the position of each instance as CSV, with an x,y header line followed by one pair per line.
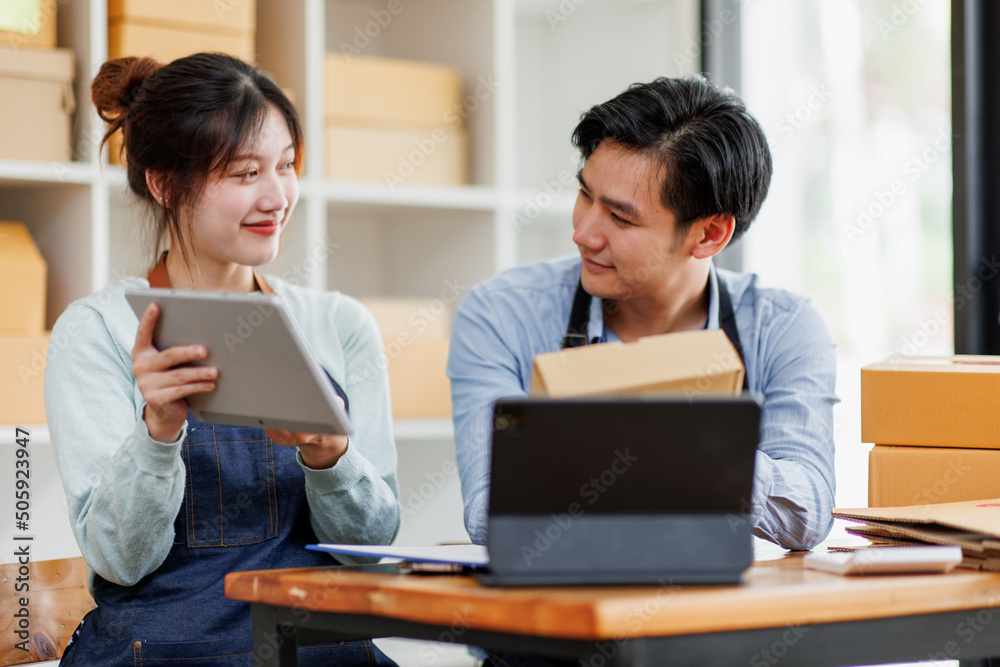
x,y
38,434
458,197
423,429
114,174
45,172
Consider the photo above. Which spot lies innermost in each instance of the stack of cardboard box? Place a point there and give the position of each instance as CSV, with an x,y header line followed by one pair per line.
x,y
23,339
169,29
936,429
415,333
36,84
394,121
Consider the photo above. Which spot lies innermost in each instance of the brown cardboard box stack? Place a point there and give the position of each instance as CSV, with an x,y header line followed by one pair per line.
x,y
936,429
416,334
394,121
36,84
169,29
23,339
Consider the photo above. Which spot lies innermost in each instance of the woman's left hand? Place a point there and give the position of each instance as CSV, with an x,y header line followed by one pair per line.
x,y
319,450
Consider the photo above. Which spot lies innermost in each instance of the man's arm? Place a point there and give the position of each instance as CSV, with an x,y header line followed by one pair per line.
x,y
483,367
793,492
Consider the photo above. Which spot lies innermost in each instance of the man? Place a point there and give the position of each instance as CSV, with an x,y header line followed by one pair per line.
x,y
673,171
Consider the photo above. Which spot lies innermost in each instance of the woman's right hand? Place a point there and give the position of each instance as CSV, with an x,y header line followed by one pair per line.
x,y
163,385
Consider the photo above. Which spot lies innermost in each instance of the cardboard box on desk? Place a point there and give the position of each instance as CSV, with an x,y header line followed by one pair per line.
x,y
416,334
31,23
396,155
391,91
690,363
37,88
22,281
899,476
932,402
22,370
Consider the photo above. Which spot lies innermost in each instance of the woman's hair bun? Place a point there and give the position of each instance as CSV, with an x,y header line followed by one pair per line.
x,y
117,83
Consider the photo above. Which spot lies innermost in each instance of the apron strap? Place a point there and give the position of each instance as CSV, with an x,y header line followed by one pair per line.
x,y
727,322
579,318
158,277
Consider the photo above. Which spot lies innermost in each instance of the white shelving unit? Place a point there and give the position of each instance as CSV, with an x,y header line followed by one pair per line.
x,y
529,67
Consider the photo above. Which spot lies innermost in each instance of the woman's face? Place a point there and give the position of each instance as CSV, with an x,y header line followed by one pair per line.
x,y
241,212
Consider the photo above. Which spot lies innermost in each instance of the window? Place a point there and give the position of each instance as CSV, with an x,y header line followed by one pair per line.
x,y
855,98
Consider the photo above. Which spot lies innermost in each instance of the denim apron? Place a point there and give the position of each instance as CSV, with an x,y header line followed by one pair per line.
x,y
244,508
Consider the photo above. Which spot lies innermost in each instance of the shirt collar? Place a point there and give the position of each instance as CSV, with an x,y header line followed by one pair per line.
x,y
597,332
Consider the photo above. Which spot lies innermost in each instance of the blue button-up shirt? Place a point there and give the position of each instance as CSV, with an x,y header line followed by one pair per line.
x,y
506,321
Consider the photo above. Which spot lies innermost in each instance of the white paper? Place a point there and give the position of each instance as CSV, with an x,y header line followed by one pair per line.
x,y
471,555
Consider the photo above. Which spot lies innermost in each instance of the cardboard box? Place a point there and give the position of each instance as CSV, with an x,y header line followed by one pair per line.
x,y
932,402
691,363
403,318
22,369
29,23
396,155
416,333
980,517
238,18
164,43
392,92
36,125
22,281
899,476
417,379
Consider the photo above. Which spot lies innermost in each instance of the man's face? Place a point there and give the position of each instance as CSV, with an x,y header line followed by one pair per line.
x,y
627,239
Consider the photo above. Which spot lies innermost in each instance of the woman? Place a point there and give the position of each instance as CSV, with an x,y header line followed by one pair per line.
x,y
162,505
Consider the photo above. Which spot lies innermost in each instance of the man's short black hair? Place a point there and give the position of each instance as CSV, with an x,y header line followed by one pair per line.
x,y
712,153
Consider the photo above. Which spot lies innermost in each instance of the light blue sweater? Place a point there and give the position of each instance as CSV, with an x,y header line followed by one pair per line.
x,y
124,489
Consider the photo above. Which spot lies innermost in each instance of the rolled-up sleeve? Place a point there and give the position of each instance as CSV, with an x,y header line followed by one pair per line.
x,y
794,485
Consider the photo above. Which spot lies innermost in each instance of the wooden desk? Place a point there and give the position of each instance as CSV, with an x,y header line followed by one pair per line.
x,y
784,614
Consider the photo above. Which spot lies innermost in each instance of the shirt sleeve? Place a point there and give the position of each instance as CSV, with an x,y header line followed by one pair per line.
x,y
793,492
123,489
356,501
482,368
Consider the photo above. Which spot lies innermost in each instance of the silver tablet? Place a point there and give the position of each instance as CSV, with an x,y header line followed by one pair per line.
x,y
268,376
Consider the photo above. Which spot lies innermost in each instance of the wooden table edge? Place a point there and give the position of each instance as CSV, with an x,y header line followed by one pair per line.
x,y
624,612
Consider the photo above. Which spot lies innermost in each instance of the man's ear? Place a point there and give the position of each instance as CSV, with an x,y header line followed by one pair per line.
x,y
710,235
157,184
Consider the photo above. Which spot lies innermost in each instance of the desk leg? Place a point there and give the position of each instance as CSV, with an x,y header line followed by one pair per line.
x,y
274,644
